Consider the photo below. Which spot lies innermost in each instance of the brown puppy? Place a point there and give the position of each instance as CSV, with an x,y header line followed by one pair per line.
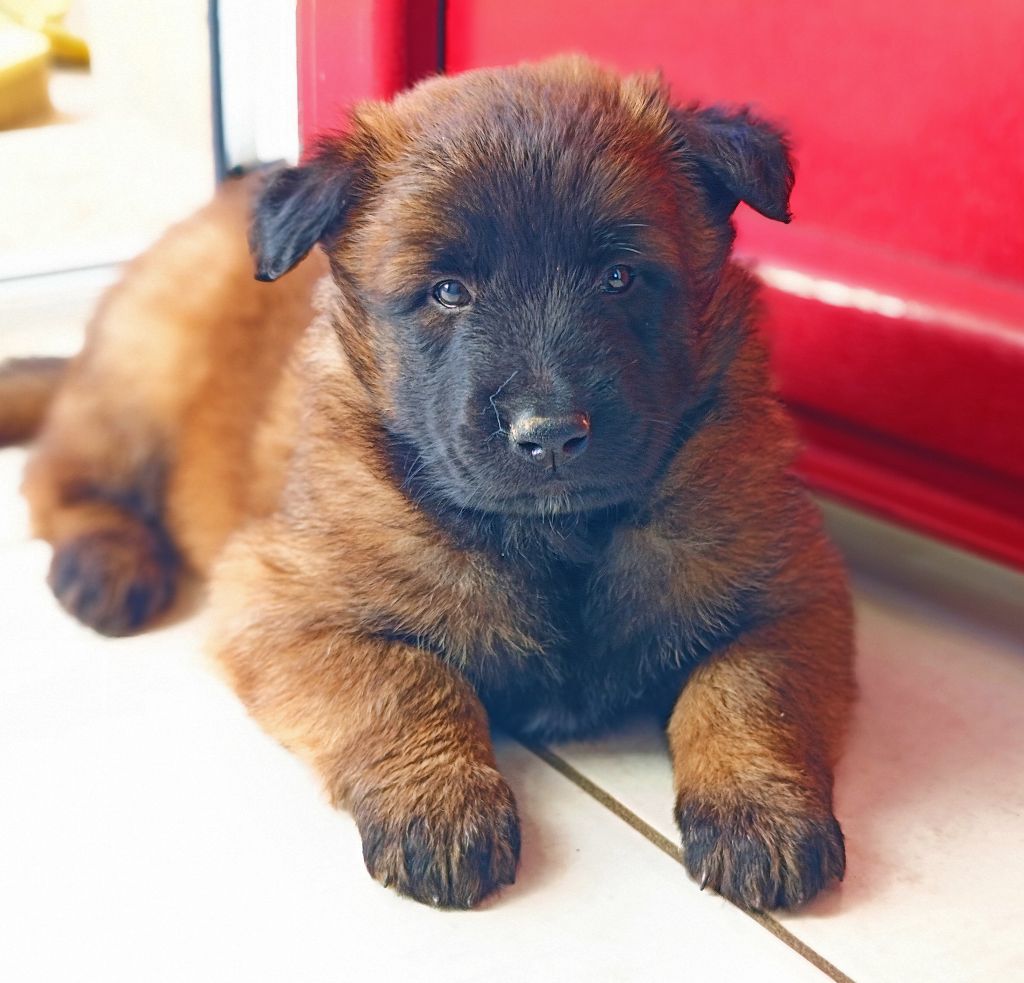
x,y
524,465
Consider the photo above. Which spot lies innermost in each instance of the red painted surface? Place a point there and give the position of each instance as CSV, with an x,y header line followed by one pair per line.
x,y
895,301
350,50
974,509
930,355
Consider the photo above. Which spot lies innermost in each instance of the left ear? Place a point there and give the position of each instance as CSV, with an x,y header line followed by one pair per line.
x,y
737,157
297,208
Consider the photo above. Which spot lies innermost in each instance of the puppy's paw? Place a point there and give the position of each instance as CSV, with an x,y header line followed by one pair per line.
x,y
758,856
447,843
114,580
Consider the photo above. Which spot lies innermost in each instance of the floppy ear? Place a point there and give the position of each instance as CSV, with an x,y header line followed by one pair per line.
x,y
738,157
297,208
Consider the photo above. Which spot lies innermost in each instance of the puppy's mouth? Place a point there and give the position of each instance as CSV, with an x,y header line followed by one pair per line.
x,y
452,482
515,488
556,496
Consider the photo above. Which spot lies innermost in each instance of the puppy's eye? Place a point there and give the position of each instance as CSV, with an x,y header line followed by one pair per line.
x,y
451,293
617,280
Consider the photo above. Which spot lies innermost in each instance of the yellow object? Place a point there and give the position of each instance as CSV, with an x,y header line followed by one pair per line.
x,y
47,17
66,48
24,75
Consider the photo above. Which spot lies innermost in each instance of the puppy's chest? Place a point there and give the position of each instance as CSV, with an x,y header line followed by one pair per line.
x,y
603,637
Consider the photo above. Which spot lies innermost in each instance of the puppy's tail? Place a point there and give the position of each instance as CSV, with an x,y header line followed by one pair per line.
x,y
27,387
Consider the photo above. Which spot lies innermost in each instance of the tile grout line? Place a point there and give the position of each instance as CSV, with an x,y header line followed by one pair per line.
x,y
675,852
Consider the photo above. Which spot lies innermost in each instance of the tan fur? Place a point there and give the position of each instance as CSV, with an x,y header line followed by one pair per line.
x,y
181,357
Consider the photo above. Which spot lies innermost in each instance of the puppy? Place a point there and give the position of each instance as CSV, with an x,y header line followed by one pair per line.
x,y
520,463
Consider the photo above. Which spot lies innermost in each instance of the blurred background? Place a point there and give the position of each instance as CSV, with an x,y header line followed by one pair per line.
x,y
109,116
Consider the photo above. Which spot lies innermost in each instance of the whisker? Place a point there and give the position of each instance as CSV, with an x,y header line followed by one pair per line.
x,y
495,395
417,466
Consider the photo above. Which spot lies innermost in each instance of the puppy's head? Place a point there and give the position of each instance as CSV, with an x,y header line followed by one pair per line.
x,y
522,258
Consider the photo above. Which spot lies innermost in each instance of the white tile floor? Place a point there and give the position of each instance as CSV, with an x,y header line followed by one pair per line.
x,y
150,831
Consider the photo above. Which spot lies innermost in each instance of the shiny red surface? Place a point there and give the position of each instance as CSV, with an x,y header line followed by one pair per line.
x,y
930,356
895,301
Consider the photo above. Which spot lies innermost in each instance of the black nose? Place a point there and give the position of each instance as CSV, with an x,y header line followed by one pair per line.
x,y
550,441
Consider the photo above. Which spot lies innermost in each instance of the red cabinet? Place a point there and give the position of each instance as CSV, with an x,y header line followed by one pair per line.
x,y
895,300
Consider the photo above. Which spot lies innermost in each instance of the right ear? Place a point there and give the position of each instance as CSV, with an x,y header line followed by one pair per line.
x,y
297,208
738,157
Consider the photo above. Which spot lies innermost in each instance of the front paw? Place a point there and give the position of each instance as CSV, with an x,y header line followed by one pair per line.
x,y
758,856
447,841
